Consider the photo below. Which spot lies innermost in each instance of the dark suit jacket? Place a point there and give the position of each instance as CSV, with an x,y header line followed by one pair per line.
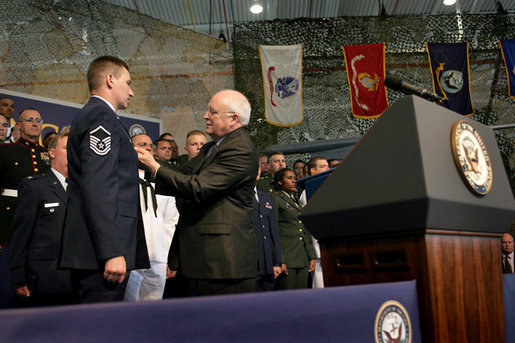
x,y
102,217
37,229
215,238
267,234
296,248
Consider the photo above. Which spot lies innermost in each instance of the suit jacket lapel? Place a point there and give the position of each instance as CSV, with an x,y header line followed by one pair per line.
x,y
56,186
202,156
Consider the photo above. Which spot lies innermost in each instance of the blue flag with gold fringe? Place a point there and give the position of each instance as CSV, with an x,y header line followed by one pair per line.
x,y
449,63
508,54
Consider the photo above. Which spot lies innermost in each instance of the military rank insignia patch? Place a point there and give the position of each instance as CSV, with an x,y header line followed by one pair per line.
x,y
392,323
100,141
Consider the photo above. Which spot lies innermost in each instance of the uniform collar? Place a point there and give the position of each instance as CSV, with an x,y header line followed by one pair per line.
x,y
28,143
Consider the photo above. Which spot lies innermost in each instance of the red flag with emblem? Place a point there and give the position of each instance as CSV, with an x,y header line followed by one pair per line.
x,y
365,73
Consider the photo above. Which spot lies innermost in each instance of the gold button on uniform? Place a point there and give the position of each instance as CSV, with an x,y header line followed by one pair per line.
x,y
35,163
15,163
35,169
7,208
32,150
300,238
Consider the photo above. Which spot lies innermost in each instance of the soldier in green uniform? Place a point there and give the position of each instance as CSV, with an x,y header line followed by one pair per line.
x,y
298,256
18,160
276,162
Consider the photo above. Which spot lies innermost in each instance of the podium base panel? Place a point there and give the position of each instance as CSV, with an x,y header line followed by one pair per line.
x,y
458,273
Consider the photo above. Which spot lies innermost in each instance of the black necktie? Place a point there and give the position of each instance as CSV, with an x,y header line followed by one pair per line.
x,y
507,265
144,185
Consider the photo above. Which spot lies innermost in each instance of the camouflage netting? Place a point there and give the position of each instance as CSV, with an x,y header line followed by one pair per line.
x,y
327,107
46,47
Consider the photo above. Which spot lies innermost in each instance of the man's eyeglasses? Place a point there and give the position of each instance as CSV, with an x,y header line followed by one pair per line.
x,y
144,145
31,120
212,112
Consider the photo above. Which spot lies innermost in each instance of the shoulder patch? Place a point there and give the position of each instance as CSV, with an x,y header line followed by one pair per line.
x,y
100,141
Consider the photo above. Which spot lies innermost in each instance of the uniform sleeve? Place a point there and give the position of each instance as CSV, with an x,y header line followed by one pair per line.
x,y
276,242
23,227
171,217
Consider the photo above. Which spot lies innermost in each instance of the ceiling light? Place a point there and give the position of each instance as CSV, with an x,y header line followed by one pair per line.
x,y
256,8
449,2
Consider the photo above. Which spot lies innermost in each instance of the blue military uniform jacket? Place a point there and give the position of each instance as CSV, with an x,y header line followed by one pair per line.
x,y
267,234
37,230
102,218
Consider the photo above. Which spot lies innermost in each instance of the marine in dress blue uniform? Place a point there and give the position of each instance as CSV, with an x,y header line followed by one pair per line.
x,y
17,161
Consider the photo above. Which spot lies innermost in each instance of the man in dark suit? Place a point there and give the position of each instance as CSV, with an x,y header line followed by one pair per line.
x,y
214,245
37,229
507,247
268,241
101,227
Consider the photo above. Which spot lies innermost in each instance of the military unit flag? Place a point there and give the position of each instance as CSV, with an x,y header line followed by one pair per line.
x,y
449,63
365,73
281,67
508,54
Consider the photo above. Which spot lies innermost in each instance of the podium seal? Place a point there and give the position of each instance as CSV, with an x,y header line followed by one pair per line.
x,y
392,324
471,157
136,129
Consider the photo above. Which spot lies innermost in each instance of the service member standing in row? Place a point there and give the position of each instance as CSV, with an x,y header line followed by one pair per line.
x,y
17,161
37,230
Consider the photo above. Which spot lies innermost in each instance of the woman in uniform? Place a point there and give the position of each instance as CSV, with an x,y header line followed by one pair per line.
x,y
298,256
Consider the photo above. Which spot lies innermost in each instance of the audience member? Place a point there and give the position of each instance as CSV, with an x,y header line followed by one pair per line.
x,y
48,137
15,133
195,140
276,162
298,256
17,161
101,241
507,253
317,165
215,244
7,110
4,128
163,150
159,215
37,230
175,152
269,245
333,163
263,165
298,169
167,136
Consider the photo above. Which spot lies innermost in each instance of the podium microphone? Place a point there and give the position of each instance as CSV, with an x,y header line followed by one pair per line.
x,y
396,83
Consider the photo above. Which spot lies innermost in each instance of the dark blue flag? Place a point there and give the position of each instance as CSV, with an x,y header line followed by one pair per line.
x,y
449,63
508,54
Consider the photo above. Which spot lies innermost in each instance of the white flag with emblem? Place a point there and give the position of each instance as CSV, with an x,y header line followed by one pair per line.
x,y
281,67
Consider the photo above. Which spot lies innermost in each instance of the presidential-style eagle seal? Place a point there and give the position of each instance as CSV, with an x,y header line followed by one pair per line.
x,y
471,157
392,323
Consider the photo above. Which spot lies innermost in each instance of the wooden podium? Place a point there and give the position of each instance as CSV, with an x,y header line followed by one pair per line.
x,y
398,209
